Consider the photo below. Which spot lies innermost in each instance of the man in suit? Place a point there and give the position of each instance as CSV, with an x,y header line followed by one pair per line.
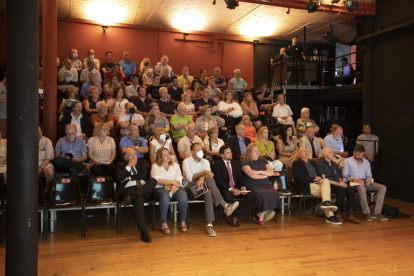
x,y
133,189
229,181
238,143
82,122
308,181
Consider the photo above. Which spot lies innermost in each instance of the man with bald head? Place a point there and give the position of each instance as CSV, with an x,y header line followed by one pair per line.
x,y
179,121
70,152
84,77
309,182
185,143
134,188
167,107
335,142
67,66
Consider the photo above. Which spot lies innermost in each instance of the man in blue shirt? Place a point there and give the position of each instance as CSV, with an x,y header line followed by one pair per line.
x,y
70,152
335,142
134,142
358,172
128,67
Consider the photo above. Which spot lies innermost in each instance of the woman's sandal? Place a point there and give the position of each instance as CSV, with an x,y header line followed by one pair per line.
x,y
165,230
255,220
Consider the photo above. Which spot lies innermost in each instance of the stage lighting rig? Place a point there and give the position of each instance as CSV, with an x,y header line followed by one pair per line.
x,y
351,5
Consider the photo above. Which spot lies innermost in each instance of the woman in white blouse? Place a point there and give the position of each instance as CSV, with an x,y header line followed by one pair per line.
x,y
161,140
169,179
117,104
213,143
230,110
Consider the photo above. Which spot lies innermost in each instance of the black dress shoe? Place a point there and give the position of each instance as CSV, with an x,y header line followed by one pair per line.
x,y
145,237
232,221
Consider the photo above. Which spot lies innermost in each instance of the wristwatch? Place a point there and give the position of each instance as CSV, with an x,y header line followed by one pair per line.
x,y
136,147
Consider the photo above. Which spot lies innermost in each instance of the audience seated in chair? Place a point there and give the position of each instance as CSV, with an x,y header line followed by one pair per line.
x,y
308,181
230,110
148,76
179,122
196,91
367,140
132,90
127,66
66,105
230,182
190,108
153,90
205,100
258,170
205,121
196,171
330,171
67,66
240,84
89,104
161,140
287,146
166,106
155,120
185,78
264,99
251,132
249,107
212,144
311,143
185,143
46,154
230,87
203,79
82,122
169,187
215,93
163,64
144,65
91,57
84,76
76,63
133,141
142,102
116,68
102,152
134,188
70,152
175,91
357,170
112,84
106,66
219,80
238,143
117,104
334,141
283,114
130,116
304,122
102,116
87,86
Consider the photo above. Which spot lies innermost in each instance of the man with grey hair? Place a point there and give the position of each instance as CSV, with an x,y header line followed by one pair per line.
x,y
240,84
67,66
179,121
167,107
130,116
102,116
330,170
311,143
219,80
186,142
164,64
334,141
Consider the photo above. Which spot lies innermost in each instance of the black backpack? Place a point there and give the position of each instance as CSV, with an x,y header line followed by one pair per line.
x,y
392,212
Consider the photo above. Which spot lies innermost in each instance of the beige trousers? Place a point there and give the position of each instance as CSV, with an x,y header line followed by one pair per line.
x,y
322,190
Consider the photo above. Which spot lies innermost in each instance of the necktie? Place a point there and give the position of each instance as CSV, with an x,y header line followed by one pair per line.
x,y
230,175
138,181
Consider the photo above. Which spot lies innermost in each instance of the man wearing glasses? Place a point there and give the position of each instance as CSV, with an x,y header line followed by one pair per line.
x,y
142,102
70,152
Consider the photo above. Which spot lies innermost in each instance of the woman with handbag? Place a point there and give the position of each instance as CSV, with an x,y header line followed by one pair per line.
x,y
169,186
213,144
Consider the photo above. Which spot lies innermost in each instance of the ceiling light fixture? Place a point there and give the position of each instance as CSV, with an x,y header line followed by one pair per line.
x,y
335,1
255,41
232,4
351,5
258,26
104,28
105,14
185,35
312,5
190,21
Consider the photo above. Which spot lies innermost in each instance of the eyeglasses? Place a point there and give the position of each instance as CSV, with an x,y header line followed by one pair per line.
x,y
71,134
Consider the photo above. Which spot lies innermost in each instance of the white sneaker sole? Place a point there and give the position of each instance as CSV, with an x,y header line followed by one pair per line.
x,y
329,208
227,212
334,223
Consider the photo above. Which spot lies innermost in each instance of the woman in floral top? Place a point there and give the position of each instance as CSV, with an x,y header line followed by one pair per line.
x,y
304,122
205,121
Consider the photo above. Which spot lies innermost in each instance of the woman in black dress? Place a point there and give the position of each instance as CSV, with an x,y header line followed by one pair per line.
x,y
258,171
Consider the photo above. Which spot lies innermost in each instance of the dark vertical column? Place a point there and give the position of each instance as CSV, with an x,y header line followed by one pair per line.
x,y
49,53
22,127
368,81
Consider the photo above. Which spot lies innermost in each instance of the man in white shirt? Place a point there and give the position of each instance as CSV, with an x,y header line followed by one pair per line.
x,y
185,143
164,64
91,57
283,114
84,77
132,90
129,117
196,171
67,65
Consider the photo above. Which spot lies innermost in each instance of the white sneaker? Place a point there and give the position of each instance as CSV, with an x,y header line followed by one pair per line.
x,y
211,231
229,209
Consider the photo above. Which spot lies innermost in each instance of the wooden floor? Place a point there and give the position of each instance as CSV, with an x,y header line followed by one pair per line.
x,y
286,247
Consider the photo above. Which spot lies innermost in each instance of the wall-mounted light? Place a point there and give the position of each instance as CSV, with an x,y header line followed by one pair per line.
x,y
104,28
255,41
185,35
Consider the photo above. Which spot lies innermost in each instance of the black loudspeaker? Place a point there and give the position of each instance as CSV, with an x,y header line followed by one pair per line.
x,y
330,38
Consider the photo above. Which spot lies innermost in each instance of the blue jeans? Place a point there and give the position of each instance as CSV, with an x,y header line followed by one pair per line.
x,y
180,195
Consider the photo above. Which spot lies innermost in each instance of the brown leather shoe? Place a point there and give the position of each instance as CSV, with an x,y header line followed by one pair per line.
x,y
232,221
237,221
338,217
352,219
126,202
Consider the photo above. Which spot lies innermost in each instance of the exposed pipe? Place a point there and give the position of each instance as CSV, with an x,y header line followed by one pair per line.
x,y
153,11
327,25
304,25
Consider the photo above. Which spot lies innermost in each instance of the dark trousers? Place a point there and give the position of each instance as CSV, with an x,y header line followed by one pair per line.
x,y
138,198
63,164
243,204
103,170
341,193
230,121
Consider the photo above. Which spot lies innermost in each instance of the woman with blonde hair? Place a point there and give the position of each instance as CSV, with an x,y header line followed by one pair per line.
x,y
102,152
267,149
249,107
250,129
190,108
161,140
169,186
304,122
258,170
213,144
205,121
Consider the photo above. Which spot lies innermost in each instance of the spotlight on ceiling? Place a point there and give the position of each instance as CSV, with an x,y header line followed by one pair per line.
x,y
255,41
185,35
312,5
351,5
335,1
104,28
232,4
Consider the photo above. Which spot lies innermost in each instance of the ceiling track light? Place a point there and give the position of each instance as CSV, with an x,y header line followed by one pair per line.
x,y
232,4
313,5
104,28
351,5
